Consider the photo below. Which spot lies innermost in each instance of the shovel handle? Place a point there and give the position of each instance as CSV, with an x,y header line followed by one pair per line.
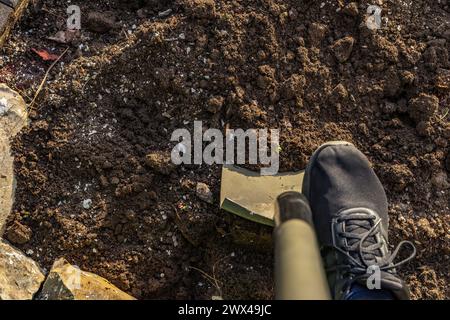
x,y
299,273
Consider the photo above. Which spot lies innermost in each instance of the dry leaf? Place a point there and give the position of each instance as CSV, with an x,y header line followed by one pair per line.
x,y
45,55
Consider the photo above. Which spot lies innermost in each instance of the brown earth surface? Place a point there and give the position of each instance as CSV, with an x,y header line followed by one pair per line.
x,y
94,183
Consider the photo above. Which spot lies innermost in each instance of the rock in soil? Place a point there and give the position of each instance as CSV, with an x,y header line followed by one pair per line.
x,y
343,48
13,117
204,193
13,111
339,93
100,22
68,282
20,277
317,32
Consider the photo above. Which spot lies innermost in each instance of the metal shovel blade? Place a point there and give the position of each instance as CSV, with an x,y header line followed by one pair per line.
x,y
251,195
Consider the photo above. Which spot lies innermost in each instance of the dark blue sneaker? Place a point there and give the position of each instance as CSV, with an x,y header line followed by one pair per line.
x,y
350,214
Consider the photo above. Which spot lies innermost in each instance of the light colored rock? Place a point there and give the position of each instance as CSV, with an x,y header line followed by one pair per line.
x,y
13,117
204,193
164,14
20,277
67,282
87,204
14,112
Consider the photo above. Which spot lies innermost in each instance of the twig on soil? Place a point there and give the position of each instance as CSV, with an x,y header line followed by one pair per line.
x,y
442,117
126,34
41,86
212,279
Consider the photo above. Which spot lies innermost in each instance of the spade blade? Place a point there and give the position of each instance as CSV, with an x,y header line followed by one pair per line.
x,y
251,195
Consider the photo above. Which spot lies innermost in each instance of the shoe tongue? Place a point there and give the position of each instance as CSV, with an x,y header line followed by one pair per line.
x,y
391,283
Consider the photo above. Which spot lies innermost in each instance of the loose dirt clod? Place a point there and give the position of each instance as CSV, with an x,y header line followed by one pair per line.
x,y
443,79
18,233
215,104
440,180
160,161
201,9
423,107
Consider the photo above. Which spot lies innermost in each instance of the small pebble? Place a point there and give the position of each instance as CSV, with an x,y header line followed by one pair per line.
x,y
87,204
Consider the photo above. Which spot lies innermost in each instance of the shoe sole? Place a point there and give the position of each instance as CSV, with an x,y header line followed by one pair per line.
x,y
307,177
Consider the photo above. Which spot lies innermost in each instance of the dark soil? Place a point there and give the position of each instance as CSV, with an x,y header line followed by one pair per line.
x,y
101,130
